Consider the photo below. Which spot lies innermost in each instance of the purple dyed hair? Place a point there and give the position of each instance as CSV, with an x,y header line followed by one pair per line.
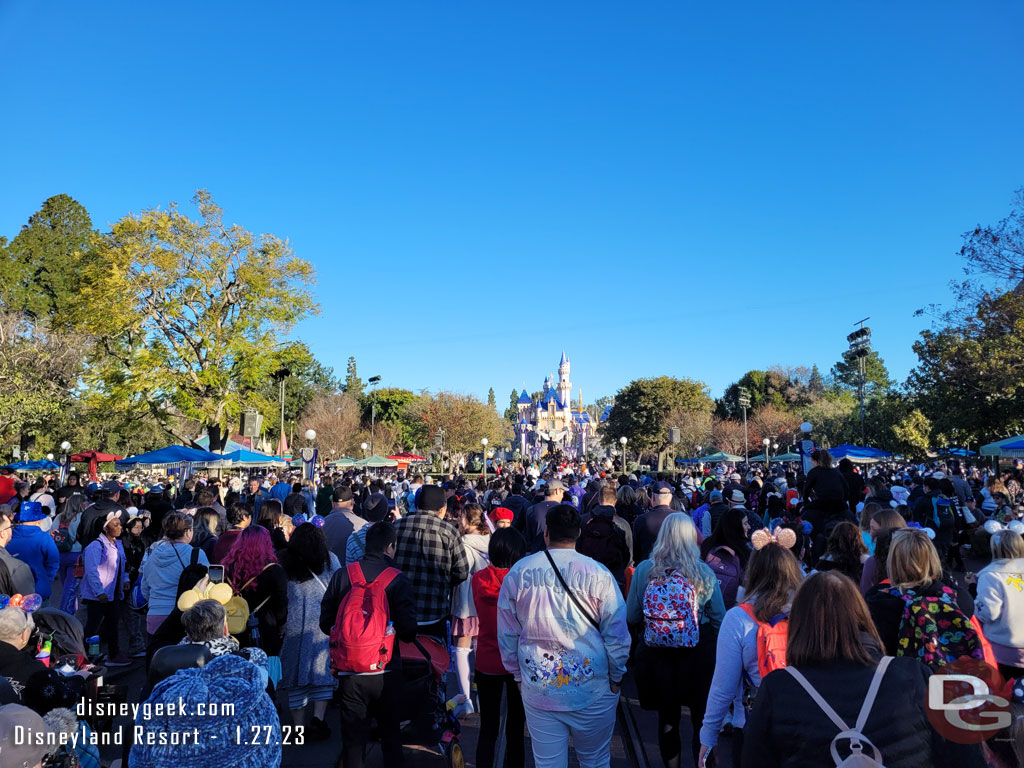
x,y
249,555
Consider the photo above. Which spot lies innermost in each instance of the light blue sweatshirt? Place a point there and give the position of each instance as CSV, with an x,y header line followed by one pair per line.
x,y
563,661
161,569
736,653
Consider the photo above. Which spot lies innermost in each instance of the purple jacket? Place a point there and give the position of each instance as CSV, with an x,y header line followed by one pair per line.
x,y
105,569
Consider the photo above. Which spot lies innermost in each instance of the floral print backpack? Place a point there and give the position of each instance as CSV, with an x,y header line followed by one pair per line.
x,y
671,618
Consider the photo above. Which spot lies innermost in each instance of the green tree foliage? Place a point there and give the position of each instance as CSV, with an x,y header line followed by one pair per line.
x,y
816,384
186,313
643,409
491,401
38,371
970,377
771,387
512,412
353,384
307,379
392,408
40,269
846,374
464,419
912,435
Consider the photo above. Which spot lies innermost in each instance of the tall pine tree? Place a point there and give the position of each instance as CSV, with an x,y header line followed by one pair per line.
x,y
353,384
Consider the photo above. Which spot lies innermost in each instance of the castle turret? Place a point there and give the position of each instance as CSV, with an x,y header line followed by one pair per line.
x,y
564,385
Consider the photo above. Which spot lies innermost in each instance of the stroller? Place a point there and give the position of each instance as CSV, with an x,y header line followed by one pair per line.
x,y
426,718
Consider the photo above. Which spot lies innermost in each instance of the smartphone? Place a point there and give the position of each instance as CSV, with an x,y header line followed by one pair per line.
x,y
216,573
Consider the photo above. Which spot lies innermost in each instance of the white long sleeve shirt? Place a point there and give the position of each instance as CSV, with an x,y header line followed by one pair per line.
x,y
562,660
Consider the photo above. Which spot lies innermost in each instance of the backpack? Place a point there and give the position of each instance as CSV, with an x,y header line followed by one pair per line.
x,y
62,538
239,616
605,542
671,618
855,735
772,639
942,512
935,630
362,638
726,565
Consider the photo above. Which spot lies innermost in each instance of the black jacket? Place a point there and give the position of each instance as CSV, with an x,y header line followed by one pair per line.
x,y
29,676
645,531
537,524
401,603
91,525
271,591
826,485
787,729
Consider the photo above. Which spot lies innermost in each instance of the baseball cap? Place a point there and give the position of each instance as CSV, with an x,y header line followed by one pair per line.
x,y
111,485
342,493
555,485
716,496
663,488
431,498
18,752
734,476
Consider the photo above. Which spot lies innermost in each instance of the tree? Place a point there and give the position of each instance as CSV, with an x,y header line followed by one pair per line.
x,y
464,419
912,435
490,398
185,314
392,410
727,436
816,384
778,425
353,384
694,430
763,387
832,416
846,374
643,407
40,272
512,412
970,377
335,418
38,371
307,378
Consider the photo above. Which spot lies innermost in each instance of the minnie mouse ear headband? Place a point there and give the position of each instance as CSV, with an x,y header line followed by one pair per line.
x,y
784,537
918,527
994,526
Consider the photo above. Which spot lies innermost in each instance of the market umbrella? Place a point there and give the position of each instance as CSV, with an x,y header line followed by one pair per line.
x,y
409,457
787,457
344,461
172,454
376,461
29,466
246,458
93,458
720,456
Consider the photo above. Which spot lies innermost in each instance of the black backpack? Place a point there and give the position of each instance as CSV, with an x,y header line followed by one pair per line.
x,y
605,542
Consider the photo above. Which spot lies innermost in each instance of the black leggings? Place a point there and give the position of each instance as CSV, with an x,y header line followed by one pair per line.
x,y
669,740
489,689
103,615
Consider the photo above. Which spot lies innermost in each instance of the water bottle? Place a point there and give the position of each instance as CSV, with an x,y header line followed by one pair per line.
x,y
390,629
92,646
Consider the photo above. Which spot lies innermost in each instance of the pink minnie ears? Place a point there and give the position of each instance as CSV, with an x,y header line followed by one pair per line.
x,y
782,536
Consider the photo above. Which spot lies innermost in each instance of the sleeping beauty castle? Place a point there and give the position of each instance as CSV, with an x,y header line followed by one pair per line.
x,y
552,422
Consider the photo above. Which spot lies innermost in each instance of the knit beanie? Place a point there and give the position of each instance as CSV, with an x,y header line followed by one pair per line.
x,y
224,680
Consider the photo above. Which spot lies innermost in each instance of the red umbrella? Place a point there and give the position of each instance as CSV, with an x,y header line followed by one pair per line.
x,y
407,457
94,458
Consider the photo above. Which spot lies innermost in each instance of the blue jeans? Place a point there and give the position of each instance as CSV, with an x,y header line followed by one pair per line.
x,y
69,584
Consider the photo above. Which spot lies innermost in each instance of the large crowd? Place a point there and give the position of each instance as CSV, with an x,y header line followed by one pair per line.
x,y
798,617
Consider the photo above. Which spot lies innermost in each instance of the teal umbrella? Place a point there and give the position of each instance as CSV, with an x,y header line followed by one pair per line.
x,y
720,456
376,461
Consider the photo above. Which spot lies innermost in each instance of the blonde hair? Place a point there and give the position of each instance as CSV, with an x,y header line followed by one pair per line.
x,y
913,560
1007,545
676,550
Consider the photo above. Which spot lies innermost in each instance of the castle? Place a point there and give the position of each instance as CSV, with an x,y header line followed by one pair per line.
x,y
553,423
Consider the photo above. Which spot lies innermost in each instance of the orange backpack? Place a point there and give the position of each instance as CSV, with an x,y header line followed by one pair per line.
x,y
771,641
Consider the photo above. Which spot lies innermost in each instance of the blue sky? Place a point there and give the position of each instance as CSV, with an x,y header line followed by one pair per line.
x,y
659,187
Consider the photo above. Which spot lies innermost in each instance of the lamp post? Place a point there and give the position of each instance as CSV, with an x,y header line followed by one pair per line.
x,y
767,443
374,381
623,440
364,446
744,402
699,449
483,442
860,348
775,450
806,446
65,461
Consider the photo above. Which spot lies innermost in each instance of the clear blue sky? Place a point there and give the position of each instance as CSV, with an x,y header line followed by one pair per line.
x,y
482,184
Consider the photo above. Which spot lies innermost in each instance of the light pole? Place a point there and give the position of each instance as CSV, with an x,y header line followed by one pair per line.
x,y
744,401
699,448
623,440
364,446
775,451
374,380
767,443
860,348
806,446
483,442
65,461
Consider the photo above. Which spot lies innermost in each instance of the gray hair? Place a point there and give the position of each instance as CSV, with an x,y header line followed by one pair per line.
x,y
13,622
204,621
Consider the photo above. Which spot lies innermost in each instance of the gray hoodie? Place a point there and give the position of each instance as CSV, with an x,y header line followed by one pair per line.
x,y
1000,608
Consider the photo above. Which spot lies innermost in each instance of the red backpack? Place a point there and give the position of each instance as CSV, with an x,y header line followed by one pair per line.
x,y
362,639
772,640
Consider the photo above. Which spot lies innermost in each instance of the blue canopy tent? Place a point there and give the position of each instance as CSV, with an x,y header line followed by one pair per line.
x,y
172,454
30,466
861,454
248,458
1014,448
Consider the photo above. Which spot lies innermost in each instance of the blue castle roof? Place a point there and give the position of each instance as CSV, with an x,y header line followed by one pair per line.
x,y
524,399
548,397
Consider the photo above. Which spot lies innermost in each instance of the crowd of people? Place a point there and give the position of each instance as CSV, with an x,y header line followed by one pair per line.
x,y
796,616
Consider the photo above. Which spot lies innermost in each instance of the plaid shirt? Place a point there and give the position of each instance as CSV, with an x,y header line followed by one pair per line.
x,y
431,554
